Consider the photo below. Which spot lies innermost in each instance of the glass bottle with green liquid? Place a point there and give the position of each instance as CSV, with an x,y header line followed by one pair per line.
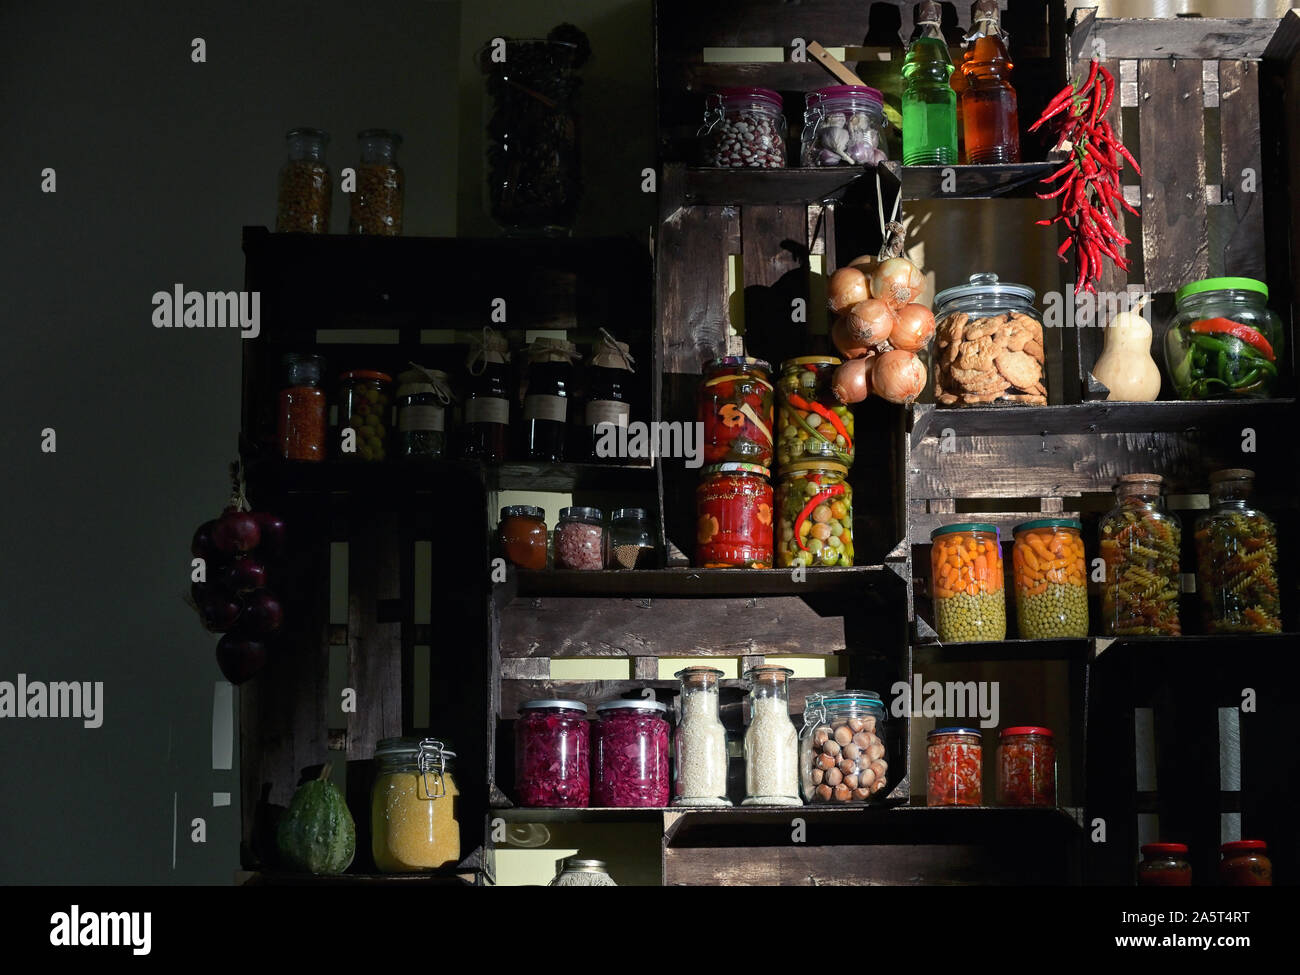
x,y
929,102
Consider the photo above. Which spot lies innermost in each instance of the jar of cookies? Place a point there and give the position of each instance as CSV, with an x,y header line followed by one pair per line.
x,y
988,345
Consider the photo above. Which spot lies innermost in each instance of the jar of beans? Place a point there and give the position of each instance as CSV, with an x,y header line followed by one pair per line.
x,y
377,200
1050,578
305,187
1026,767
733,504
580,539
301,420
966,583
814,504
842,748
954,767
743,128
523,536
365,408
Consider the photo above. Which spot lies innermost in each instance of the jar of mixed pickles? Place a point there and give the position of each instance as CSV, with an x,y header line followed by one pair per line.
x,y
733,505
811,422
365,414
815,512
842,748
630,753
303,414
552,754
966,584
1140,543
523,536
735,406
580,539
1224,342
1236,559
423,396
1164,865
1051,579
305,185
954,767
1245,865
743,128
1026,767
413,824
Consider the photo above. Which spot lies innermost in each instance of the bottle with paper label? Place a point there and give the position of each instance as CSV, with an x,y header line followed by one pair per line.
x,y
487,404
609,381
546,399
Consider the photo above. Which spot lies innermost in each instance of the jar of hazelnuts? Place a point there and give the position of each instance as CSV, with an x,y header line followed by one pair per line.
x,y
842,756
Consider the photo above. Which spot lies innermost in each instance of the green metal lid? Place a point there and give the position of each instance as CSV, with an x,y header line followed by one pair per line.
x,y
1048,523
1220,284
964,526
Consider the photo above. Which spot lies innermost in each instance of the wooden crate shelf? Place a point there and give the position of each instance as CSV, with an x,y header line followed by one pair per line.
x,y
708,583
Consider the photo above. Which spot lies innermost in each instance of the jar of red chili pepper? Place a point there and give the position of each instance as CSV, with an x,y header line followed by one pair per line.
x,y
1026,767
811,422
815,508
735,406
1244,864
630,753
300,426
734,507
1224,341
551,754
1164,865
522,531
954,767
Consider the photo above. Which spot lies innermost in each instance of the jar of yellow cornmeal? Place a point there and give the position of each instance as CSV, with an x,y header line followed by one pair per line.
x,y
413,823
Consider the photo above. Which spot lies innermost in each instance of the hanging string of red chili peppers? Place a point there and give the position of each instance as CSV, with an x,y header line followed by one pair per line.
x,y
1090,193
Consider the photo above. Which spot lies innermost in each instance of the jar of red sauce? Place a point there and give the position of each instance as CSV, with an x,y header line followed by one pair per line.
x,y
1164,865
735,407
523,535
954,767
1026,766
734,527
1244,864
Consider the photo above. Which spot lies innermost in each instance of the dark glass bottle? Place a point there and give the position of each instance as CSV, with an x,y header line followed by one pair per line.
x,y
546,400
487,401
988,102
609,381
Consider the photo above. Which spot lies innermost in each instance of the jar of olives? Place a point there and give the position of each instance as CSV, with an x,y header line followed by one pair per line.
x,y
810,420
966,583
1051,580
814,503
365,412
1236,559
1140,544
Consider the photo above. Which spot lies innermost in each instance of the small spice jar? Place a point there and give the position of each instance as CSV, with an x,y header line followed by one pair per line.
x,y
630,754
546,402
1026,766
305,187
1047,563
423,396
844,125
733,506
700,740
988,345
365,408
377,202
743,128
1164,865
842,748
1224,342
1236,559
735,407
810,421
966,584
814,503
303,412
487,405
609,389
413,824
954,767
1140,545
552,758
772,743
1244,864
580,539
630,544
523,535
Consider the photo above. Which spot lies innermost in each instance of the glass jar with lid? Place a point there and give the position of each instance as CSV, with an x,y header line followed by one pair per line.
x,y
844,125
630,753
1140,543
1164,865
967,588
1026,766
735,407
305,186
365,414
811,422
608,406
842,756
1236,559
302,417
487,403
733,506
377,201
743,128
582,872
523,535
423,396
552,754
700,740
988,345
1051,579
814,504
546,402
413,805
1224,342
630,543
1245,865
771,741
954,761
580,539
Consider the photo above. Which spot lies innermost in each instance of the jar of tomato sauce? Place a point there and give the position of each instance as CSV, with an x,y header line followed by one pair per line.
x,y
523,535
735,407
1244,864
734,507
954,767
1164,865
1026,767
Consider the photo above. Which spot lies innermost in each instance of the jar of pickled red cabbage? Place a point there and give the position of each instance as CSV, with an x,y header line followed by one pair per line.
x,y
630,754
552,765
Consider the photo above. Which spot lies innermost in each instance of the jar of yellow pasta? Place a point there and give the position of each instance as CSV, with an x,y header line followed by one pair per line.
x,y
413,825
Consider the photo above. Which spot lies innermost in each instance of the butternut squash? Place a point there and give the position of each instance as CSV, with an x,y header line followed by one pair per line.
x,y
1125,365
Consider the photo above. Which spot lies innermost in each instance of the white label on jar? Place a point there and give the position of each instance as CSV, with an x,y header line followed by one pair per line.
x,y
546,408
421,416
607,411
487,409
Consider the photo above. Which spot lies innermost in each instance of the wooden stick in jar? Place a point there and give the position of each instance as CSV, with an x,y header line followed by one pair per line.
x,y
833,64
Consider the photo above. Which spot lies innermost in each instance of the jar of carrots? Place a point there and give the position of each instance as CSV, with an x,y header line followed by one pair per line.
x,y
1050,579
966,583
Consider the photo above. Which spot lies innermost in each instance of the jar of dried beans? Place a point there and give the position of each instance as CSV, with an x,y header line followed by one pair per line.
x,y
954,767
1140,544
842,753
305,187
733,504
743,128
735,407
815,507
630,753
966,584
1051,579
377,200
1236,559
301,420
580,539
1026,767
552,754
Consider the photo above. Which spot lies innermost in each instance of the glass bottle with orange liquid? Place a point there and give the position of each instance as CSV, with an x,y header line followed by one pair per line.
x,y
990,123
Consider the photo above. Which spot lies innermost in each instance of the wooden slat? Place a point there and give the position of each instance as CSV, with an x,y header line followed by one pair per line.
x,y
592,692
921,522
1193,38
1243,252
774,257
374,648
1172,124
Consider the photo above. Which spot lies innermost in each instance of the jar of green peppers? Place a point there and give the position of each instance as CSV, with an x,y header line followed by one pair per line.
x,y
815,515
810,420
1236,559
1224,341
1140,543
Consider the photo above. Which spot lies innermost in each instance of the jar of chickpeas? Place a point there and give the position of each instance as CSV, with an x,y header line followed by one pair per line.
x,y
966,583
1050,579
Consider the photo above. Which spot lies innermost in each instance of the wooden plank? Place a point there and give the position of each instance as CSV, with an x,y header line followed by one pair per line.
x,y
592,692
774,260
1171,120
374,648
1191,38
1243,167
921,522
1280,137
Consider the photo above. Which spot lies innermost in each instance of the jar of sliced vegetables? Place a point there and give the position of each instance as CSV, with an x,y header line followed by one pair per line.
x,y
966,583
1224,342
735,406
815,506
1050,578
1026,766
1236,559
733,506
810,421
954,767
1139,544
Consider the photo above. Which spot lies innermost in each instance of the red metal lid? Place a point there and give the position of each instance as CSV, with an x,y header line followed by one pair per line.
x,y
1025,729
383,377
1164,848
1243,846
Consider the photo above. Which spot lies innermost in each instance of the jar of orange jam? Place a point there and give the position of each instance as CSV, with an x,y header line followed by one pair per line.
x,y
966,583
1051,581
413,825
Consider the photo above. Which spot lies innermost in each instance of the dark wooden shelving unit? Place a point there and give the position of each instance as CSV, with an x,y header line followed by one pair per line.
x,y
706,583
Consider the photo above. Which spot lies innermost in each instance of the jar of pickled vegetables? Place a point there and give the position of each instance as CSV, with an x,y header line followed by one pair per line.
x,y
413,824
365,414
1224,342
1164,865
954,767
1026,767
735,406
815,507
1236,559
842,748
966,583
1244,864
811,422
1139,544
523,535
552,754
1051,579
733,504
630,753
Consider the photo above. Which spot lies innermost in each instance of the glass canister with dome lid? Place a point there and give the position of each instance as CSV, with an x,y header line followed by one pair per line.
x,y
988,345
1224,342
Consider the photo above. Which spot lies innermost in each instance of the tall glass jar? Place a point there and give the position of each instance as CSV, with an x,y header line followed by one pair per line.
x,y
988,345
630,543
608,406
810,420
1026,766
1245,865
743,128
1164,865
365,414
377,202
733,505
487,404
814,504
423,396
580,539
413,823
1236,559
546,403
771,741
844,125
735,406
842,747
303,414
1051,579
552,749
1224,342
305,187
1140,543
700,740
630,754
954,767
